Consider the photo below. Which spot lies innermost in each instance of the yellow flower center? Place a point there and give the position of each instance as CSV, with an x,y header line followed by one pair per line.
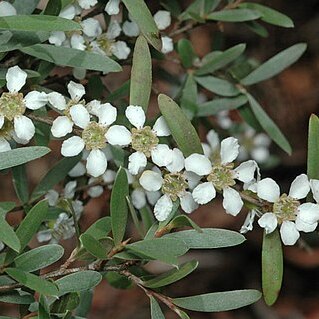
x,y
11,105
144,140
285,208
105,44
94,136
174,185
222,176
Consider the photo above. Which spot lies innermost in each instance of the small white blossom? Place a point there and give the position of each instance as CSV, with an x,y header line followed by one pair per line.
x,y
112,7
162,19
167,45
7,9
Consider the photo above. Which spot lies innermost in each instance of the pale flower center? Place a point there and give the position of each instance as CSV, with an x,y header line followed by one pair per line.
x,y
105,44
144,140
222,176
6,129
285,208
11,105
174,185
94,136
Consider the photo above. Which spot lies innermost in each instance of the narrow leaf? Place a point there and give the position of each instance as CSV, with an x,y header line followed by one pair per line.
x,y
182,221
219,301
21,155
275,65
189,96
141,75
186,52
156,311
272,267
119,209
100,229
7,235
93,246
53,8
181,128
313,148
269,125
25,6
234,15
20,183
15,297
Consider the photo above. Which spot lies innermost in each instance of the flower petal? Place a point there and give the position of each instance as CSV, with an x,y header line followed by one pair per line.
x,y
91,27
192,179
137,161
160,127
112,7
120,49
289,233
57,38
162,155
87,4
269,222
248,223
153,197
198,164
138,198
213,140
162,19
136,115
245,171
78,170
80,115
106,113
76,90
57,100
4,145
167,45
299,187
34,100
131,29
232,201
16,78
229,150
204,193
309,213
163,208
187,203
96,163
151,181
118,135
24,127
305,227
268,189
72,146
61,126
7,9
178,161
1,121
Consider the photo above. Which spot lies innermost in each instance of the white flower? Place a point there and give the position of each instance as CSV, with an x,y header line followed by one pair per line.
x,y
145,141
77,41
13,104
94,191
91,27
248,223
287,210
120,50
167,45
222,175
112,7
162,19
68,12
131,29
87,4
7,9
57,38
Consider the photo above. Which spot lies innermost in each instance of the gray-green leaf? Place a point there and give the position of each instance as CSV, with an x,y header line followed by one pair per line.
x,y
313,147
234,15
156,311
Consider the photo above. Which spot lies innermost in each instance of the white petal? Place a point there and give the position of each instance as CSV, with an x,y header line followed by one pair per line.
x,y
213,140
78,170
245,171
1,121
57,100
68,12
192,179
24,127
229,150
163,208
96,163
160,127
7,9
95,191
137,161
77,42
260,154
34,100
52,196
131,29
299,187
106,113
153,197
112,7
309,212
69,189
305,227
187,203
162,155
289,233
232,201
76,90
268,189
120,50
207,150
91,27
167,45
162,19
4,145
80,116
269,222
113,30
138,198
151,181
61,126
204,193
314,185
79,73
109,176
178,161
198,164
57,38
44,235
72,146
87,4
16,78
118,135
94,107
248,223
136,115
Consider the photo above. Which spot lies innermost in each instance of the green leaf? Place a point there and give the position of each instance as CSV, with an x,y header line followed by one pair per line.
x,y
249,117
37,22
172,275
272,267
156,312
33,282
39,257
234,15
257,28
142,16
275,65
44,309
218,86
218,61
181,128
269,15
268,125
215,106
6,207
119,209
313,148
100,229
25,6
219,301
53,8
21,155
189,95
15,297
56,174
31,223
182,221
141,74
7,235
207,239
117,280
186,52
84,306
79,281
73,57
93,246
163,249
20,183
